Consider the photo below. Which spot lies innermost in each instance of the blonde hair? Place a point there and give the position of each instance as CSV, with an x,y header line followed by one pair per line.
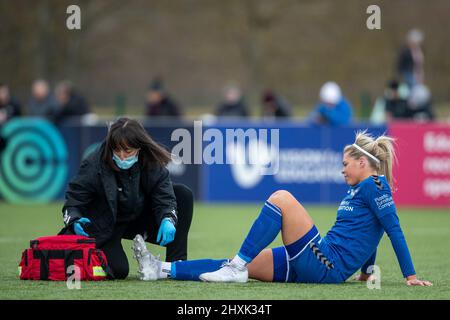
x,y
381,148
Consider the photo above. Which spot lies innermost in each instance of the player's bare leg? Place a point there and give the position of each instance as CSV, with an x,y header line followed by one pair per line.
x,y
261,268
281,212
296,221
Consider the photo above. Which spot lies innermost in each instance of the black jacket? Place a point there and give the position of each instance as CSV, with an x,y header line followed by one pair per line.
x,y
405,61
13,109
237,109
93,193
166,107
76,106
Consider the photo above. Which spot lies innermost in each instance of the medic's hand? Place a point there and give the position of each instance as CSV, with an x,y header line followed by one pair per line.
x,y
166,232
78,226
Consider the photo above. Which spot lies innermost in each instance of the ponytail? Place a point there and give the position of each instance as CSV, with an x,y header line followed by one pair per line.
x,y
382,148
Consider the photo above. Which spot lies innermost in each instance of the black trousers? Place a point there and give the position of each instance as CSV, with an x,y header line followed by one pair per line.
x,y
145,224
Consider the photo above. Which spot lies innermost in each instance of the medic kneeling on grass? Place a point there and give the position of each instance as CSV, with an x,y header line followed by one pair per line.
x,y
123,189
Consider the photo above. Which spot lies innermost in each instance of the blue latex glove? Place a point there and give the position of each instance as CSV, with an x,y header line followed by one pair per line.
x,y
166,232
78,228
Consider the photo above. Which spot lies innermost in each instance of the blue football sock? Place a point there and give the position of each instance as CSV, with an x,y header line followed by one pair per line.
x,y
263,231
191,270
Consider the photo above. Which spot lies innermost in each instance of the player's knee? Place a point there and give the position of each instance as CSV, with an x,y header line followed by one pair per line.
x,y
281,198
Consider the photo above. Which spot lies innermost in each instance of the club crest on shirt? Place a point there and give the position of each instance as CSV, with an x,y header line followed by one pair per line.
x,y
353,192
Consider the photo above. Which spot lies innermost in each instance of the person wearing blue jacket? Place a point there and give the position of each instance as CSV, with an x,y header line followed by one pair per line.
x,y
333,109
364,215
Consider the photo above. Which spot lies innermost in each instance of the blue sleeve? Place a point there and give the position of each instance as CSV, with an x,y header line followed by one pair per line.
x,y
369,262
335,116
313,117
382,205
391,225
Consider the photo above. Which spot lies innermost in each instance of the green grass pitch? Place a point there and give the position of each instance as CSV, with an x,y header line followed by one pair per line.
x,y
216,232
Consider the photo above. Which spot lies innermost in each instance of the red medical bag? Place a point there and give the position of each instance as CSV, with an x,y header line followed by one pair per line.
x,y
51,258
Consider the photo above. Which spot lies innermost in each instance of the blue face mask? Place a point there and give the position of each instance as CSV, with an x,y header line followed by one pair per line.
x,y
127,163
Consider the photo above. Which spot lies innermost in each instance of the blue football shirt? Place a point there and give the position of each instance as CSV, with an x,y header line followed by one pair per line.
x,y
363,216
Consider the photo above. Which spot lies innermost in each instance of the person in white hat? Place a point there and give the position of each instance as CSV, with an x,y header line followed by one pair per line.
x,y
333,109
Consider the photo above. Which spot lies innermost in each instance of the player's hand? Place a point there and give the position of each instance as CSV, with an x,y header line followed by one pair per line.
x,y
413,281
365,277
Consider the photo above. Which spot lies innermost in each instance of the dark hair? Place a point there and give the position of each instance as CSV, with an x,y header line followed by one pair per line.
x,y
393,84
268,96
128,133
157,84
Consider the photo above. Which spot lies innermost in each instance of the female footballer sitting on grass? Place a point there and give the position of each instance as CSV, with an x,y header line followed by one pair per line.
x,y
363,216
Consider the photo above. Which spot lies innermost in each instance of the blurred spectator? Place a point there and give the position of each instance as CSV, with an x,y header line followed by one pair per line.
x,y
333,109
42,102
159,103
419,103
9,106
233,104
401,103
70,103
274,105
411,59
396,101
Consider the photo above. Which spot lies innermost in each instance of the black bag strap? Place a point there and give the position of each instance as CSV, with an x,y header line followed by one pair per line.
x,y
45,255
104,265
69,257
25,257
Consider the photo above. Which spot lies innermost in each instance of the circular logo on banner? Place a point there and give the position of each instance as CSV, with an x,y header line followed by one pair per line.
x,y
246,173
33,166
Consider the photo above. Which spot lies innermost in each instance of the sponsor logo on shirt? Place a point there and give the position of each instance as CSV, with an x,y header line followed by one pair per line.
x,y
384,201
345,206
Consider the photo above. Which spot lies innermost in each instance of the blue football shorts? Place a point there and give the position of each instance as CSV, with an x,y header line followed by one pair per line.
x,y
304,261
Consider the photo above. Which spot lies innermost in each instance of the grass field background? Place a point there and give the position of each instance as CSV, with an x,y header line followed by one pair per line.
x,y
217,232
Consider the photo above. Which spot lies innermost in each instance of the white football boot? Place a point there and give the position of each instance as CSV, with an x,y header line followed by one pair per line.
x,y
148,264
229,272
